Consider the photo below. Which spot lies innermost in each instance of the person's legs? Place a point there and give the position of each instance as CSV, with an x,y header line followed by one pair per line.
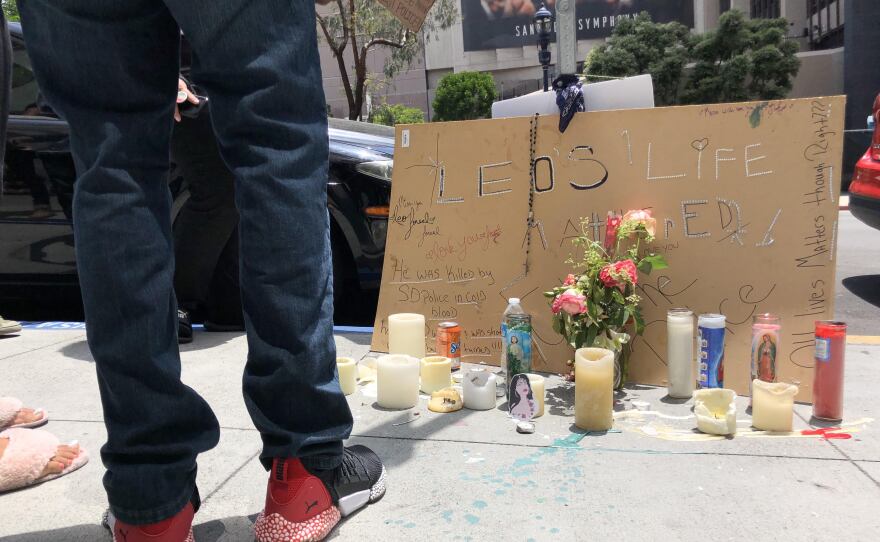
x,y
208,219
258,61
109,68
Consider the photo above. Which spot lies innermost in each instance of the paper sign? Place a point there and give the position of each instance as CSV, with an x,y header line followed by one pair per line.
x,y
411,13
745,196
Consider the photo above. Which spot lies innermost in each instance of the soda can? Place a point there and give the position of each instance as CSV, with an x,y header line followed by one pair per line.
x,y
449,342
710,333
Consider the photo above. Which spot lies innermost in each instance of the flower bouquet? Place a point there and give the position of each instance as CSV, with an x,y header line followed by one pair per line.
x,y
597,306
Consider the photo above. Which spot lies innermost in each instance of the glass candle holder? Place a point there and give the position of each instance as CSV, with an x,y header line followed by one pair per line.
x,y
710,332
765,348
828,376
680,353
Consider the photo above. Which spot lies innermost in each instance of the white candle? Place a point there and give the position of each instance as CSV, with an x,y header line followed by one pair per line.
x,y
593,388
680,353
715,409
406,334
347,368
397,381
772,405
436,373
537,382
478,386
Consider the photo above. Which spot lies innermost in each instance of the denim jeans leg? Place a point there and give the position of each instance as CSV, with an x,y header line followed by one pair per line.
x,y
109,68
258,61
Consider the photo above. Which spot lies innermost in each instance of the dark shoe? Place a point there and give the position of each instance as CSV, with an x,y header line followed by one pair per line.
x,y
304,505
174,529
184,327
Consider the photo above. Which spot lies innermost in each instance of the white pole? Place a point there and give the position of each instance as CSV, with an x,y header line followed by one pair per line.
x,y
566,37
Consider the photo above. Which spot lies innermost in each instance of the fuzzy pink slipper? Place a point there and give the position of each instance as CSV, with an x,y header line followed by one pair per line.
x,y
9,407
26,455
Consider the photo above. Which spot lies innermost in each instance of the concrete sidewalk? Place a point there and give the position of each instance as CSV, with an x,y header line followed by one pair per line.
x,y
469,475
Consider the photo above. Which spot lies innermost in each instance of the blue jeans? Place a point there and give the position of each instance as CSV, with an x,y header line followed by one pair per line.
x,y
109,67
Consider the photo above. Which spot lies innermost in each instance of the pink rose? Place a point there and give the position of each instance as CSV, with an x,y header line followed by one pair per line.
x,y
570,301
619,274
642,216
569,280
611,225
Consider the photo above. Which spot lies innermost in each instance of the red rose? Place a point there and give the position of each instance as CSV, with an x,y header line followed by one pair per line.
x,y
619,274
569,280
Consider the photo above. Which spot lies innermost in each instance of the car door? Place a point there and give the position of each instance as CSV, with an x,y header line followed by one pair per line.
x,y
36,234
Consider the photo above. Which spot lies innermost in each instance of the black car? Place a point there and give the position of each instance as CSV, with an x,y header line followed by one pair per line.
x,y
37,262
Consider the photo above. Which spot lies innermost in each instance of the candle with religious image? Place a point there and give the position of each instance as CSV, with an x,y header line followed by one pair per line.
x,y
828,380
765,345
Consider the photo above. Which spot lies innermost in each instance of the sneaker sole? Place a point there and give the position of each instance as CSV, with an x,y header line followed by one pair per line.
x,y
274,528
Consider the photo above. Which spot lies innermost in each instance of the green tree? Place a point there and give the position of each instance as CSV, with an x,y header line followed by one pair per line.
x,y
353,28
640,46
464,96
10,9
391,114
742,60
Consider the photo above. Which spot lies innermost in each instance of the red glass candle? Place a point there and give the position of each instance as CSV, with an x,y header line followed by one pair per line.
x,y
828,381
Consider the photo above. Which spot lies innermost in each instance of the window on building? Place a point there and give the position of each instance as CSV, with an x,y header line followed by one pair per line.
x,y
764,9
725,6
825,21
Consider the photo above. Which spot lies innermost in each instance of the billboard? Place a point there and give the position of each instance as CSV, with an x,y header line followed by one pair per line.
x,y
497,24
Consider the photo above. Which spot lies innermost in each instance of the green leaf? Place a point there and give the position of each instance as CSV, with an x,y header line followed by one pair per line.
x,y
592,331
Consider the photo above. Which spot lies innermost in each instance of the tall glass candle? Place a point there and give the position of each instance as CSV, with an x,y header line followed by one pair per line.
x,y
593,388
397,381
773,405
828,379
680,353
765,345
406,334
348,369
710,334
436,373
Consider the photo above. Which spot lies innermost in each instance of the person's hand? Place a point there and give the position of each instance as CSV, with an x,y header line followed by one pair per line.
x,y
184,94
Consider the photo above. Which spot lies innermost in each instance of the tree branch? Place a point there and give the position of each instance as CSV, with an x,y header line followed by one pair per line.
x,y
330,41
382,41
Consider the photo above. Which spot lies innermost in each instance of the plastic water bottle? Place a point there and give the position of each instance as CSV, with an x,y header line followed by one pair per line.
x,y
516,343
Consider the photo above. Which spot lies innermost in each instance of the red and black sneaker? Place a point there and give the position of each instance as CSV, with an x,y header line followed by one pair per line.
x,y
304,505
177,528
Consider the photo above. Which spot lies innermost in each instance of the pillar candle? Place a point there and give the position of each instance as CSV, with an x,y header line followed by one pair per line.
x,y
406,334
715,409
828,378
479,386
397,381
537,382
680,353
593,388
772,405
436,373
348,369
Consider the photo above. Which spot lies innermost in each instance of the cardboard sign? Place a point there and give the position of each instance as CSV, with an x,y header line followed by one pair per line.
x,y
411,13
745,196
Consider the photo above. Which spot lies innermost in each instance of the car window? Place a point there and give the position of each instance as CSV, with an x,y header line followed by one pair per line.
x,y
26,98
